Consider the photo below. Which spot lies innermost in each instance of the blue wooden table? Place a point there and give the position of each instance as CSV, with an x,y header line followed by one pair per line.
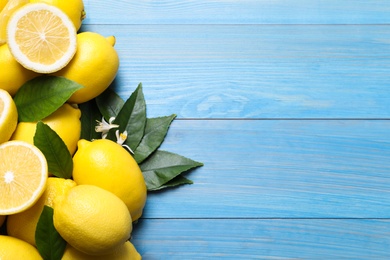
x,y
287,103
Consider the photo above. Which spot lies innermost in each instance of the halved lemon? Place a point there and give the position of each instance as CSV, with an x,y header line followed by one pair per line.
x,y
9,7
23,176
8,116
41,37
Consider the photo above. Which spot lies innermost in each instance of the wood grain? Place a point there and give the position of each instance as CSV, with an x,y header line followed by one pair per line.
x,y
279,169
254,71
288,105
238,12
262,239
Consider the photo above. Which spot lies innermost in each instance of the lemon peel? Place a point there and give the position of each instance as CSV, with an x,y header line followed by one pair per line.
x,y
8,116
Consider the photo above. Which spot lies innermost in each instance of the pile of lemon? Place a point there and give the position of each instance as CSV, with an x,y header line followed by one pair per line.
x,y
94,211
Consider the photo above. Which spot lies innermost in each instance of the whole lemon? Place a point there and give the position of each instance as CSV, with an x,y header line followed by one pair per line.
x,y
108,165
125,252
92,220
94,66
8,116
65,121
14,248
73,8
12,74
23,224
2,218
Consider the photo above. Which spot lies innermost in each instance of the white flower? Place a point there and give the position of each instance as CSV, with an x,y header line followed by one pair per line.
x,y
104,127
121,138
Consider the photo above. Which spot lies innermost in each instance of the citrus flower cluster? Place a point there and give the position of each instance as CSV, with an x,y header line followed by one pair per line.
x,y
94,209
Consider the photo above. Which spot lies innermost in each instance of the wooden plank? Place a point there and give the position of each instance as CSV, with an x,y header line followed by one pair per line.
x,y
238,12
279,169
262,239
256,71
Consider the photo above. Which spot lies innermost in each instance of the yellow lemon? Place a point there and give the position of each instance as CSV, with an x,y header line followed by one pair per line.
x,y
7,9
23,171
23,224
13,248
108,165
65,122
125,252
41,37
12,74
94,66
2,4
92,220
73,8
2,219
8,116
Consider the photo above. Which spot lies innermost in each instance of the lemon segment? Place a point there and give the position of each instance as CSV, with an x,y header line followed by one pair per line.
x,y
23,176
41,37
9,8
8,116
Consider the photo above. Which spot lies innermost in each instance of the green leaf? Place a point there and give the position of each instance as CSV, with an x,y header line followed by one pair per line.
x,y
89,116
132,118
41,96
109,103
57,155
162,166
179,180
155,132
49,243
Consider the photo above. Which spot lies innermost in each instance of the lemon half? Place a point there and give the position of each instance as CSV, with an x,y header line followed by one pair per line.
x,y
41,37
23,176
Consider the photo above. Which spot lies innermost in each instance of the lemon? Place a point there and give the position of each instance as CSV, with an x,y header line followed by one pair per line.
x,y
3,3
6,11
108,165
73,8
41,37
94,66
12,74
23,171
65,122
2,219
92,220
8,116
23,224
13,248
125,252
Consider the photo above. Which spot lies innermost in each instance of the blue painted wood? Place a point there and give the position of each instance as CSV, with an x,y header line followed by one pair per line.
x,y
262,239
238,12
279,169
255,71
280,188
